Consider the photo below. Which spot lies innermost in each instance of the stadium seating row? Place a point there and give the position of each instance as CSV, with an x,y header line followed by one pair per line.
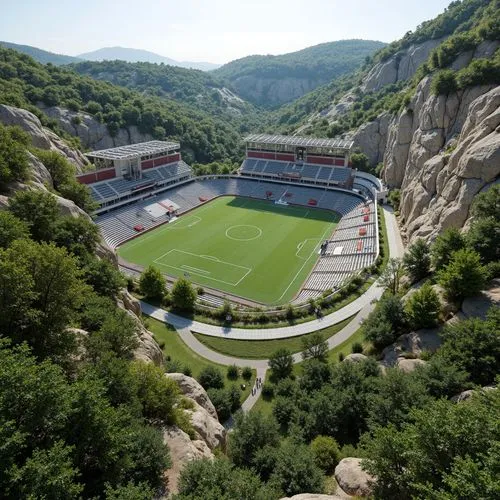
x,y
307,171
116,188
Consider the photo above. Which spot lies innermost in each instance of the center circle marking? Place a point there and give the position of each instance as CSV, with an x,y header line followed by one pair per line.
x,y
257,231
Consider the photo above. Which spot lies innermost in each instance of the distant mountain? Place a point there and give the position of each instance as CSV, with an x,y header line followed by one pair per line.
x,y
41,56
138,55
271,81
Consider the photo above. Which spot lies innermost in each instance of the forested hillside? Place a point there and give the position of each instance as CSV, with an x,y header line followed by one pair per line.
x,y
39,55
273,80
30,85
197,88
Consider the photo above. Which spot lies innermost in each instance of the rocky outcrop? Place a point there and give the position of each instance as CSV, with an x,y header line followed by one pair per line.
x,y
413,344
273,91
207,427
479,305
41,137
352,478
182,450
193,390
371,138
355,357
399,67
93,134
441,152
465,395
409,365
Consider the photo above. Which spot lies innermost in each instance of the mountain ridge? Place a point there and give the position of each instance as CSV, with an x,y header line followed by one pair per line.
x,y
40,55
132,55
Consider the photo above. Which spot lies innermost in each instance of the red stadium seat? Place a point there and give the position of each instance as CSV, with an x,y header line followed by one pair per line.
x,y
138,228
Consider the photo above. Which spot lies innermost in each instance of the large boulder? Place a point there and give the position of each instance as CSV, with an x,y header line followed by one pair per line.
x,y
207,427
408,365
92,133
479,305
193,390
182,451
355,357
41,137
413,343
465,395
353,479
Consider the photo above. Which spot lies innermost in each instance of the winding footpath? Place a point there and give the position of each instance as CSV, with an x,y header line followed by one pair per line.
x,y
362,306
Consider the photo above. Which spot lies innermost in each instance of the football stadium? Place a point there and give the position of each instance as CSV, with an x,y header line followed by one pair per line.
x,y
294,223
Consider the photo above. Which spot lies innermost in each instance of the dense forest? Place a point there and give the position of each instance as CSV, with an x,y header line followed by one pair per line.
x,y
194,87
25,83
39,55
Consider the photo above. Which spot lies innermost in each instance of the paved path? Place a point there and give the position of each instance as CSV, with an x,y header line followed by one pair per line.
x,y
362,306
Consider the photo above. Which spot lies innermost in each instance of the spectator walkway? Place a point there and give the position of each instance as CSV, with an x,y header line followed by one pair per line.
x,y
362,306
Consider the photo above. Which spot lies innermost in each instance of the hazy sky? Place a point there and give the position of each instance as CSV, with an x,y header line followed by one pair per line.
x,y
211,30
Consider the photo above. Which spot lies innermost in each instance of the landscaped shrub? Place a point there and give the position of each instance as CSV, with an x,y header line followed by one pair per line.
x,y
232,372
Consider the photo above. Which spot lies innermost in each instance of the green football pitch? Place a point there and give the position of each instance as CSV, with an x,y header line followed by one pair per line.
x,y
253,249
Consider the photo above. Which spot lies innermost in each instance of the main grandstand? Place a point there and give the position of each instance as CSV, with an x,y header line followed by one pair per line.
x,y
142,186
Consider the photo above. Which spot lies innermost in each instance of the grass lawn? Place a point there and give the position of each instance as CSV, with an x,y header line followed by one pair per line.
x,y
238,245
262,349
174,347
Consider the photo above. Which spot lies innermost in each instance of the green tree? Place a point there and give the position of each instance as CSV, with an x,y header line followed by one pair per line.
x,y
314,347
103,277
487,203
386,322
392,274
37,208
78,234
446,243
360,161
211,377
417,260
14,160
252,431
444,82
464,276
395,395
326,453
130,491
281,364
395,198
157,393
48,474
11,228
423,459
295,470
152,283
423,307
183,295
473,345
221,400
118,333
219,480
53,291
484,238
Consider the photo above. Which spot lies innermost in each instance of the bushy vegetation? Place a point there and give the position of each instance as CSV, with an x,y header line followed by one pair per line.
x,y
76,414
27,84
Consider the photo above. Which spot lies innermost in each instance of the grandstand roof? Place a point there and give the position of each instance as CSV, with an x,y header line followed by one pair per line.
x,y
134,150
291,140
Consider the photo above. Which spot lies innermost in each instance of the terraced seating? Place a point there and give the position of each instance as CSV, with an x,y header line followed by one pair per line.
x,y
331,270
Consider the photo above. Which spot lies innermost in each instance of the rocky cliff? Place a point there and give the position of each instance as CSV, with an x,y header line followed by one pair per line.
x,y
441,150
273,91
93,134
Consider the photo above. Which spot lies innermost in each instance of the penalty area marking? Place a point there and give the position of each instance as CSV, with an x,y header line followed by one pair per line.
x,y
258,234
241,271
